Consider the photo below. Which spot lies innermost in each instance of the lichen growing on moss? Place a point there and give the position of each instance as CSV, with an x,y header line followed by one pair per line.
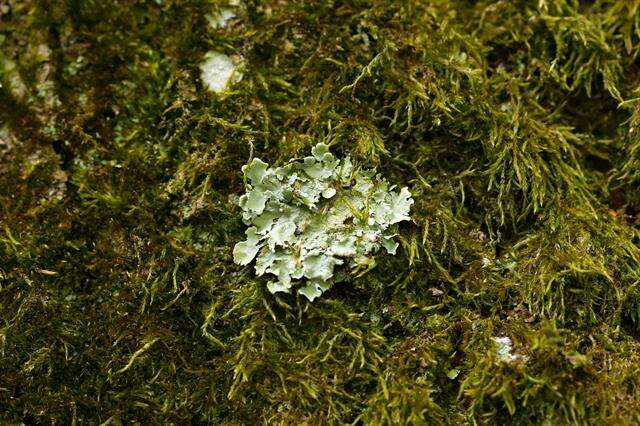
x,y
309,216
514,123
219,71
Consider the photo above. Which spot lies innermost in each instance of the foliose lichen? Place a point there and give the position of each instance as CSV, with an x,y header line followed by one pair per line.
x,y
311,216
219,71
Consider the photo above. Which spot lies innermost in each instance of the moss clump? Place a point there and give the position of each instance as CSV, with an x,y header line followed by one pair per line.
x,y
514,125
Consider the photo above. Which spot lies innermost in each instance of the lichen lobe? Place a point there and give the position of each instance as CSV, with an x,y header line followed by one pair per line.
x,y
309,217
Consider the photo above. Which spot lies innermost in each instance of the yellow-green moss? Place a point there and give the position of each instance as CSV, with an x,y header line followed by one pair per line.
x,y
514,124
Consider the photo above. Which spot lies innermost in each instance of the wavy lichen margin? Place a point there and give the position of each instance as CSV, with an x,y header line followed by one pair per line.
x,y
311,216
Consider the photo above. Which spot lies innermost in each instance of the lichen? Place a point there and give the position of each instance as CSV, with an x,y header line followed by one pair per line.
x,y
312,215
221,18
504,350
219,71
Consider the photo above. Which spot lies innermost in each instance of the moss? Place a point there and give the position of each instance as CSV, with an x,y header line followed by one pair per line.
x,y
514,125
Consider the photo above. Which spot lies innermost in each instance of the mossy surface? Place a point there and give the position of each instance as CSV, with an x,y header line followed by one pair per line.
x,y
513,123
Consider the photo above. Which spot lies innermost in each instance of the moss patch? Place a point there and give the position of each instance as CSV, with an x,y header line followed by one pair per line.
x,y
514,124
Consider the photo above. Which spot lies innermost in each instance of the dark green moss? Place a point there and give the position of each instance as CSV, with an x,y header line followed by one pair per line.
x,y
515,124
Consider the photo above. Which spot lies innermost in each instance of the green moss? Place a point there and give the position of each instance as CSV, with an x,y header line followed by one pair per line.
x,y
514,125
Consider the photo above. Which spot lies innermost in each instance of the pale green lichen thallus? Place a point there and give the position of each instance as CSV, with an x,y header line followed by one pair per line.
x,y
315,221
